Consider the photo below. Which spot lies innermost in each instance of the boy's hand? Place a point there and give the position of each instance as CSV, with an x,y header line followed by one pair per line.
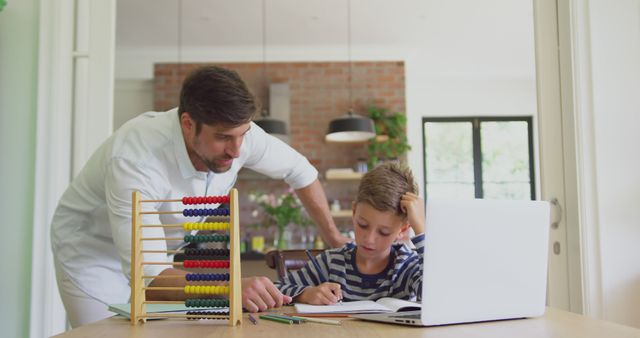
x,y
413,205
324,294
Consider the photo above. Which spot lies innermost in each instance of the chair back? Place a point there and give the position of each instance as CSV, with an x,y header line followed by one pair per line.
x,y
285,260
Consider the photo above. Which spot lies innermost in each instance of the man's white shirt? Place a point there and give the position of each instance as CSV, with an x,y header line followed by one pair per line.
x,y
91,228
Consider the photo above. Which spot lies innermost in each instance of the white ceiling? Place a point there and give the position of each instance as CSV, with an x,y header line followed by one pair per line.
x,y
236,23
462,38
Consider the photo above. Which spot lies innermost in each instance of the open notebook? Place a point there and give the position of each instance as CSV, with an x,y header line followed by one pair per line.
x,y
381,305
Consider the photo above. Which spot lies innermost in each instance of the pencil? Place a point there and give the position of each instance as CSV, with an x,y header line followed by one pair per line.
x,y
319,320
316,315
296,320
276,319
320,275
316,265
253,320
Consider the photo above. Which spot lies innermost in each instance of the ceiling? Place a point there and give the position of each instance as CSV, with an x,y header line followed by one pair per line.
x,y
237,23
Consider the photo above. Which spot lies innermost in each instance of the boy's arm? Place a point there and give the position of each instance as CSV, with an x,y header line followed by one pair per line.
x,y
413,205
295,282
416,267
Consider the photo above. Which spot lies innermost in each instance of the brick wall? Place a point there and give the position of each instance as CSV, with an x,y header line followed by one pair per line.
x,y
319,92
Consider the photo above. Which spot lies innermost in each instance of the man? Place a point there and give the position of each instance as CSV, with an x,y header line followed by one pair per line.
x,y
195,150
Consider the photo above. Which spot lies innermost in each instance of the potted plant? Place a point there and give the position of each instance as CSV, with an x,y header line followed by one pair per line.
x,y
280,210
391,142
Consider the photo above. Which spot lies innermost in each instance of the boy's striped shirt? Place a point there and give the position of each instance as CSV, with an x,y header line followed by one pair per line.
x,y
401,279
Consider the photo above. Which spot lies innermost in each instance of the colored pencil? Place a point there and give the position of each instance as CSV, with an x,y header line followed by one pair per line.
x,y
319,320
296,320
319,315
253,320
276,319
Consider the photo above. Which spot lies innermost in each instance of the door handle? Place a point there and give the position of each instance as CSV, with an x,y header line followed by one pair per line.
x,y
556,213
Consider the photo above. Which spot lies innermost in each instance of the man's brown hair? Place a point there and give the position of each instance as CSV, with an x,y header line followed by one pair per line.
x,y
215,95
384,186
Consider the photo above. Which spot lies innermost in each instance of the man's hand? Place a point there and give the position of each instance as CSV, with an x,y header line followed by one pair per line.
x,y
259,294
324,294
413,205
314,201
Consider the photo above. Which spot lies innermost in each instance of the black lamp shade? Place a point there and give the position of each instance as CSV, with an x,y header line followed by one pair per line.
x,y
272,126
350,128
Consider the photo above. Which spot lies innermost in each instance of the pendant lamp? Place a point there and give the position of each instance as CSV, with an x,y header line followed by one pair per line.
x,y
350,127
270,125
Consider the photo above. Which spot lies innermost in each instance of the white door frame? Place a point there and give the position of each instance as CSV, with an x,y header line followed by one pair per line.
x,y
74,115
567,158
576,70
553,150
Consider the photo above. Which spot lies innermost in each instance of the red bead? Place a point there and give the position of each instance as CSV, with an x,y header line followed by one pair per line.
x,y
184,200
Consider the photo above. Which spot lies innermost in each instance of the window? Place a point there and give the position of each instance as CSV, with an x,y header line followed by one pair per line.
x,y
481,157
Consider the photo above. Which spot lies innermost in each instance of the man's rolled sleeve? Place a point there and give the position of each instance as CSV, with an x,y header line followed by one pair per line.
x,y
270,156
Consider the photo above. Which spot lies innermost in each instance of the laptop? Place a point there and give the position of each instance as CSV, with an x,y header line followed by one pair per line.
x,y
484,260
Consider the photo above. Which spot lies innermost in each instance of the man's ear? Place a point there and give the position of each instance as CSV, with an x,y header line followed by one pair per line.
x,y
187,123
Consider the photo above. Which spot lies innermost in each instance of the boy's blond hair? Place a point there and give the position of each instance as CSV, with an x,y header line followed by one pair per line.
x,y
384,186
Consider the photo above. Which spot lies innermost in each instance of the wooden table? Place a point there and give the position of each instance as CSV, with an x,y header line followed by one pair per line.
x,y
555,323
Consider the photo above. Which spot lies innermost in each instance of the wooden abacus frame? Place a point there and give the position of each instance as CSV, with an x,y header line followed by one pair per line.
x,y
138,298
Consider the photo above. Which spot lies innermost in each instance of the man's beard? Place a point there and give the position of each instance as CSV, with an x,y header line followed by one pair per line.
x,y
215,167
211,165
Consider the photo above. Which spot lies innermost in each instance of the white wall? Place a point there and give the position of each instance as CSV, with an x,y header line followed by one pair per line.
x,y
18,83
131,98
615,68
470,58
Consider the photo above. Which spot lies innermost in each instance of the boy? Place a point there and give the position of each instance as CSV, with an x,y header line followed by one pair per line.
x,y
386,206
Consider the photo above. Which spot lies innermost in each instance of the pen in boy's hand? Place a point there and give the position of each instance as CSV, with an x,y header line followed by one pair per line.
x,y
321,276
316,266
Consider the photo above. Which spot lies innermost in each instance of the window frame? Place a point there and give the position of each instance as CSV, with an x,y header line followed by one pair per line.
x,y
476,122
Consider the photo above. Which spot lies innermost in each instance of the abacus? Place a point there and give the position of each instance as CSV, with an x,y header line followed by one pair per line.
x,y
232,289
